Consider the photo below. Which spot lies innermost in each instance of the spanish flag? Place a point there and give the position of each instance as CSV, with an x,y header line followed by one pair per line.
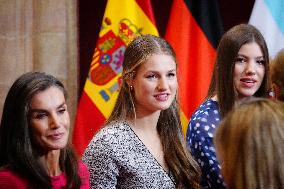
x,y
194,30
123,20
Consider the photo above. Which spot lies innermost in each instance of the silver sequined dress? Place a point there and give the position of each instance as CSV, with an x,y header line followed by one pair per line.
x,y
117,158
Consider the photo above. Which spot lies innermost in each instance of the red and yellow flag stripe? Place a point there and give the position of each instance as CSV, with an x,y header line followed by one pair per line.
x,y
123,20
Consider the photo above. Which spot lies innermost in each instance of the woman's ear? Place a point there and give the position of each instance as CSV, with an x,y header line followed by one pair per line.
x,y
275,90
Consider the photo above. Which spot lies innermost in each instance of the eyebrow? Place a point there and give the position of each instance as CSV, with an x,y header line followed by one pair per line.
x,y
247,56
155,71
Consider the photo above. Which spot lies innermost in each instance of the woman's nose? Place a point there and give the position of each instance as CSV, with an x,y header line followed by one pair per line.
x,y
54,121
250,68
163,84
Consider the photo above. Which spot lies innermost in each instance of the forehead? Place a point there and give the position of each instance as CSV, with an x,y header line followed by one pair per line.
x,y
158,62
252,49
52,96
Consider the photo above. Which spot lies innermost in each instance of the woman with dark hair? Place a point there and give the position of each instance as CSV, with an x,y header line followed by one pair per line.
x,y
241,70
249,145
142,145
34,134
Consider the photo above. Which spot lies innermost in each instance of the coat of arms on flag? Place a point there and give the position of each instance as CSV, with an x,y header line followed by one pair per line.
x,y
123,20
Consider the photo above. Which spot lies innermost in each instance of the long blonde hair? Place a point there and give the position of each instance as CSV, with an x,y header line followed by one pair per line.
x,y
178,159
249,143
277,73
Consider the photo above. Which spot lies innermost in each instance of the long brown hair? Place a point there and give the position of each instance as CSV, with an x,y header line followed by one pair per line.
x,y
178,159
277,73
222,83
249,143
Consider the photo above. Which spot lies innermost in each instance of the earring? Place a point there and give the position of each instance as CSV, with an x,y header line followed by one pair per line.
x,y
131,88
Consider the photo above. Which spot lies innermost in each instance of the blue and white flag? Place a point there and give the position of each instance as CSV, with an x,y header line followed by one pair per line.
x,y
268,17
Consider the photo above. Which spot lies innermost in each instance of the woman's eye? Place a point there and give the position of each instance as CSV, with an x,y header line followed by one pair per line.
x,y
40,116
261,62
152,76
61,111
240,60
171,74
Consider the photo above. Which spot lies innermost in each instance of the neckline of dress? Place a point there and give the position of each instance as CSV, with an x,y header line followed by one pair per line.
x,y
153,157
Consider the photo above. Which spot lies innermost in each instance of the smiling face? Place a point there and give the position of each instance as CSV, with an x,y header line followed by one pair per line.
x,y
49,119
155,84
249,70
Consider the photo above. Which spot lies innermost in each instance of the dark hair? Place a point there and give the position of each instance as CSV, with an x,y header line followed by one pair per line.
x,y
249,145
179,160
222,80
16,145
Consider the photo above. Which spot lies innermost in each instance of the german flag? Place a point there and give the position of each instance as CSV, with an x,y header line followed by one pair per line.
x,y
123,20
194,30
